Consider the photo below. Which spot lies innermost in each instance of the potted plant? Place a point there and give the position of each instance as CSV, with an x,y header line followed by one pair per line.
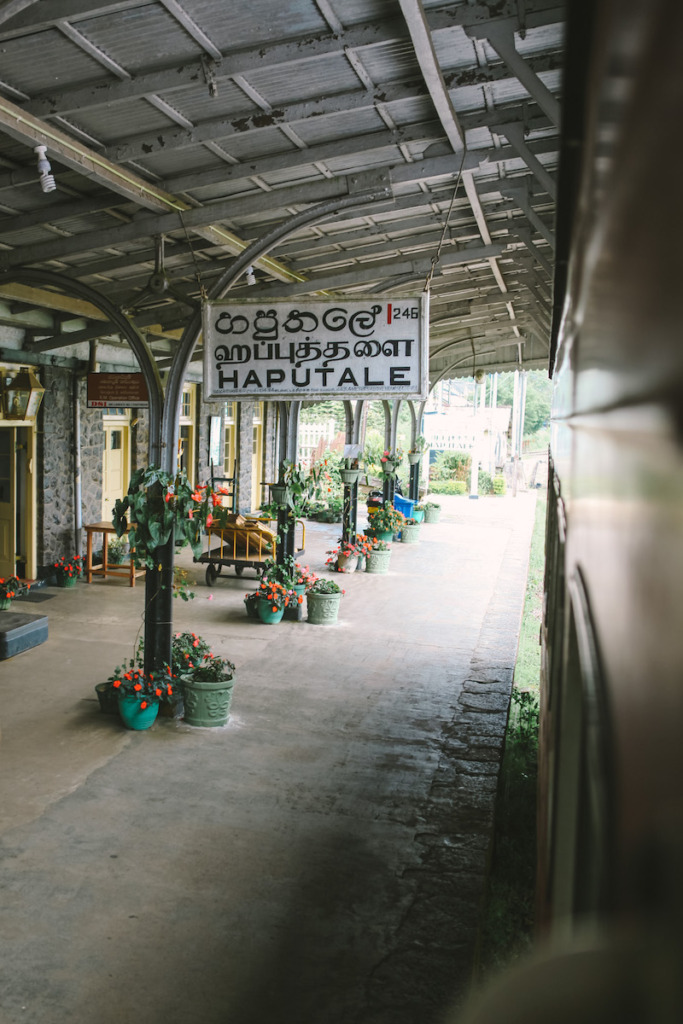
x,y
343,558
139,695
160,504
432,511
385,522
117,549
410,531
273,599
350,471
8,589
419,447
323,599
419,512
67,570
378,557
390,461
207,690
363,545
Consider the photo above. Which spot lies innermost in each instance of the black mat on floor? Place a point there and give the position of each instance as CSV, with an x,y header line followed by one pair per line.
x,y
36,598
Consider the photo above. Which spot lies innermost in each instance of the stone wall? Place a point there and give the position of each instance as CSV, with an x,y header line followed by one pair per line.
x,y
92,458
207,409
55,468
245,431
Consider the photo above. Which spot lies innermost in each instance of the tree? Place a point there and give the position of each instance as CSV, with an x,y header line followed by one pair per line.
x,y
538,397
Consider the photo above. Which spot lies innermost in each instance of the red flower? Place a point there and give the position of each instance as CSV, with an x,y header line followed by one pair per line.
x,y
137,686
209,519
274,608
157,691
143,704
117,683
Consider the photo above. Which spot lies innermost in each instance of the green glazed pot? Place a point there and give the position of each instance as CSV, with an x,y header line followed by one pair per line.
x,y
5,603
378,562
207,704
67,581
323,609
387,535
135,717
418,514
266,613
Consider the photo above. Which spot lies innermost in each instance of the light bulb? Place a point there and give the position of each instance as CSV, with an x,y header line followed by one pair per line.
x,y
47,181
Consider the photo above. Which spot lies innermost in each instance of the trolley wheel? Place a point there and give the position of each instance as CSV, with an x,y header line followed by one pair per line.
x,y
239,569
211,574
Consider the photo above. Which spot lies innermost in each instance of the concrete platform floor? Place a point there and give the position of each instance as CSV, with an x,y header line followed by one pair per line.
x,y
321,859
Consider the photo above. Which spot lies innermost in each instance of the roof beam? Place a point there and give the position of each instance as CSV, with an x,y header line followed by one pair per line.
x,y
31,130
423,45
376,270
171,77
502,39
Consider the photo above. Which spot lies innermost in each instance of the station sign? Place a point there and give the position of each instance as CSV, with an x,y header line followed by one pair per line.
x,y
365,348
117,391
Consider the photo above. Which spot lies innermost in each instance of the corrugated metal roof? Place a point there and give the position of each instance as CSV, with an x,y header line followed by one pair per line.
x,y
249,113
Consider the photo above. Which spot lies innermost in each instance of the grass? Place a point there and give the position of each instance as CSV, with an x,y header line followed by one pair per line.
x,y
508,924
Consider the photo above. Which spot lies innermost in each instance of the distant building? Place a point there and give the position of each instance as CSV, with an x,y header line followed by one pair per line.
x,y
459,429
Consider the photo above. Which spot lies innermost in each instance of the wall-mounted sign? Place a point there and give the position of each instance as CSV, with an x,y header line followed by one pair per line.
x,y
117,391
366,348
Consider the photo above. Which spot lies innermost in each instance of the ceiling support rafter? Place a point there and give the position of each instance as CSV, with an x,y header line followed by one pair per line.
x,y
423,44
502,39
31,131
520,196
514,133
525,236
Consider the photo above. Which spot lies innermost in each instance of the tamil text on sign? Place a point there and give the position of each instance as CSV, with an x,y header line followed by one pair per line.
x,y
367,348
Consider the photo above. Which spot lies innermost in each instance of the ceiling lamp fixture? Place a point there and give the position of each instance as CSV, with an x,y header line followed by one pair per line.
x,y
47,180
251,276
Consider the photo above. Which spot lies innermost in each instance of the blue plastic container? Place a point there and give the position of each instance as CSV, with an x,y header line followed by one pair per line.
x,y
404,505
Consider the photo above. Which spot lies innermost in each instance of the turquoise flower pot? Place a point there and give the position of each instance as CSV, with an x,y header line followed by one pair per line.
x,y
135,717
266,613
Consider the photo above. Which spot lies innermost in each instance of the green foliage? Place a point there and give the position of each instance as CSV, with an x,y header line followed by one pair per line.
x,y
323,586
508,924
448,487
381,520
538,398
451,466
159,504
485,482
499,485
318,412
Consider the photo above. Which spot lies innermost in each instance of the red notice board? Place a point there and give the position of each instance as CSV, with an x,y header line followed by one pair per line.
x,y
117,391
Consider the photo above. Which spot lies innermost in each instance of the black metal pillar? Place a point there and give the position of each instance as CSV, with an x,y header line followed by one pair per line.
x,y
414,485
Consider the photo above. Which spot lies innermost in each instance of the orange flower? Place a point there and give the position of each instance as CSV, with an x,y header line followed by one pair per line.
x,y
158,692
138,686
300,598
117,683
274,608
170,691
143,704
209,519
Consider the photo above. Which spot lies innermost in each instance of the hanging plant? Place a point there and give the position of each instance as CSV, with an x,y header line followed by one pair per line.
x,y
159,504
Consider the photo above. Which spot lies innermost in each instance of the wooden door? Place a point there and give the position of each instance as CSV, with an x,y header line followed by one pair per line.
x,y
115,466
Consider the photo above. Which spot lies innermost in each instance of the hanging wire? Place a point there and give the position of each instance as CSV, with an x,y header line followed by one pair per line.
x,y
437,255
203,294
